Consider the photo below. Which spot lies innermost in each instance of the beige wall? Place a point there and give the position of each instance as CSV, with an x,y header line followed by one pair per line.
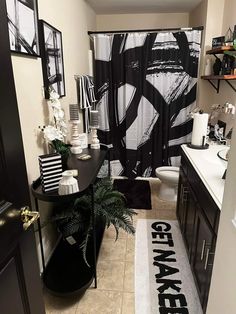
x,y
216,16
223,286
198,16
141,21
28,72
73,20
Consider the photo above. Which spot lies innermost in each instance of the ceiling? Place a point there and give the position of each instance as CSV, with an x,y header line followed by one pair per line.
x,y
142,6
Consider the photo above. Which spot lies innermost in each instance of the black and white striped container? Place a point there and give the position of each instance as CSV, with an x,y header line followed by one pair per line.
x,y
50,171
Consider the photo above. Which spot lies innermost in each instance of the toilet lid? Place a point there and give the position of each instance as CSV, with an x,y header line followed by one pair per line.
x,y
172,172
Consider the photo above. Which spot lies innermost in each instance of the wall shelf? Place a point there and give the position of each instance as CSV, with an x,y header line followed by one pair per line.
x,y
219,78
219,50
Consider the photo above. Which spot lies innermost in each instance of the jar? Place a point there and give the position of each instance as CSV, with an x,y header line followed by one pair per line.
x,y
68,184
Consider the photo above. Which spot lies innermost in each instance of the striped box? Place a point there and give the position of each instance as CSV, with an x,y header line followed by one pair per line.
x,y
50,171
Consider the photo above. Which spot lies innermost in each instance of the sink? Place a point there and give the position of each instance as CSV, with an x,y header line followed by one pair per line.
x,y
223,154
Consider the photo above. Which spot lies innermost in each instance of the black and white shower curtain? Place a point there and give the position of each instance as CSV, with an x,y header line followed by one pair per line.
x,y
146,87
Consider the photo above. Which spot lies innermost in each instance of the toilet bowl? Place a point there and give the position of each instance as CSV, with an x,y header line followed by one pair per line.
x,y
169,177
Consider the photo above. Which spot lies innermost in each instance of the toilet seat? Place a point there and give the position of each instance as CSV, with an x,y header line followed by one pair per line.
x,y
169,174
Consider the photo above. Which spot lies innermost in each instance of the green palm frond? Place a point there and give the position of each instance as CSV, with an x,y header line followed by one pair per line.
x,y
109,205
84,244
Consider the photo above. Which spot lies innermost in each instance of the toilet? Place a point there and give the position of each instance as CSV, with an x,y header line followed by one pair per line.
x,y
169,177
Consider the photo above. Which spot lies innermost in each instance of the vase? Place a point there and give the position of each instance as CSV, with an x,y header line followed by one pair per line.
x,y
217,67
208,67
68,184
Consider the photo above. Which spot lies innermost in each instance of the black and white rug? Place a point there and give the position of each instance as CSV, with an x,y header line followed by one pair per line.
x,y
163,278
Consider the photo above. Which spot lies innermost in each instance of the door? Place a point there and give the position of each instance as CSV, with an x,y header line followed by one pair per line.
x,y
190,221
20,286
203,251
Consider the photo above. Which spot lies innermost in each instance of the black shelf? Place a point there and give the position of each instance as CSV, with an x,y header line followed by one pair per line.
x,y
66,272
87,173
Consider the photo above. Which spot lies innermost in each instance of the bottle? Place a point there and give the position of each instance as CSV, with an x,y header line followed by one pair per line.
x,y
208,67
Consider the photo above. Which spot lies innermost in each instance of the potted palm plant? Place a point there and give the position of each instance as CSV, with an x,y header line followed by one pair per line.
x,y
109,209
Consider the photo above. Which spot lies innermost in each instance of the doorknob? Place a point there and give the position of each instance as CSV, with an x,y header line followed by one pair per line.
x,y
28,217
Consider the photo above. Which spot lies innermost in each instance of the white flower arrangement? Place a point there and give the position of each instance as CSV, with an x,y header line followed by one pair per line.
x,y
55,133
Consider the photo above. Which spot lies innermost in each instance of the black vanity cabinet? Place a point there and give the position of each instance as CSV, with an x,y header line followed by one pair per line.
x,y
198,217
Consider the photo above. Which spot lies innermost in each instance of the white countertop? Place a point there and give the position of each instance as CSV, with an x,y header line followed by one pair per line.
x,y
210,169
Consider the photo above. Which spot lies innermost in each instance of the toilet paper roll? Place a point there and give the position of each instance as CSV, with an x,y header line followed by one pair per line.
x,y
200,122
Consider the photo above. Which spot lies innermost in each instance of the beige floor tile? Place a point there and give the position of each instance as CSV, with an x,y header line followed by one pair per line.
x,y
115,270
63,305
110,233
166,214
64,311
129,277
156,202
130,248
112,250
100,302
110,275
128,306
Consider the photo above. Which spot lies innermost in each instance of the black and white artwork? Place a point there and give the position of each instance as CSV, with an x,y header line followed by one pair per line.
x,y
51,51
146,89
23,26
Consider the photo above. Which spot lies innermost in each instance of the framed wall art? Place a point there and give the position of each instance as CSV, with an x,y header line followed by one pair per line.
x,y
50,42
23,26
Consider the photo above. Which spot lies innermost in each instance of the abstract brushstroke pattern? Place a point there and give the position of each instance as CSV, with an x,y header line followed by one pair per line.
x,y
146,88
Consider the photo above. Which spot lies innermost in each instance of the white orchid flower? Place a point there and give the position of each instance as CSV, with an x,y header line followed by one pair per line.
x,y
63,127
53,95
56,104
51,133
58,114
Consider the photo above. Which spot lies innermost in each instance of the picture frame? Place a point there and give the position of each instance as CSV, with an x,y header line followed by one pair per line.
x,y
23,26
51,51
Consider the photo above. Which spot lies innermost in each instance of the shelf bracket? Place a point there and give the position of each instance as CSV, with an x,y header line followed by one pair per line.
x,y
216,87
231,85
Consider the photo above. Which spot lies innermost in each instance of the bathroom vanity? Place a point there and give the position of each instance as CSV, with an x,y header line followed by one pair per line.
x,y
200,194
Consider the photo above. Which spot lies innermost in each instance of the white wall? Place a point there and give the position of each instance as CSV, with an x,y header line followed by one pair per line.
x,y
110,22
73,19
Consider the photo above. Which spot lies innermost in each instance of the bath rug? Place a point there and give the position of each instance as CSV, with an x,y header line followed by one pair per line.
x,y
162,270
137,192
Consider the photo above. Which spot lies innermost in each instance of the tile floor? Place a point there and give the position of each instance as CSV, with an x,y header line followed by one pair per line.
x,y
115,270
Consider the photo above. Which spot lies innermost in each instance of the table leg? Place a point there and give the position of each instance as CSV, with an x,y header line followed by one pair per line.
x,y
94,237
40,235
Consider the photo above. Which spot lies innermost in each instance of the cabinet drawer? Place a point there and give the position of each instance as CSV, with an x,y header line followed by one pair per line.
x,y
208,205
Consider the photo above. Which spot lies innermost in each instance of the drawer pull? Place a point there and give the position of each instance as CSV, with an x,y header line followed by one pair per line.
x,y
203,249
181,193
185,195
207,257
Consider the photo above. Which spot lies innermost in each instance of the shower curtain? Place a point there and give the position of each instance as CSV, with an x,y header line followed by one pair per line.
x,y
145,88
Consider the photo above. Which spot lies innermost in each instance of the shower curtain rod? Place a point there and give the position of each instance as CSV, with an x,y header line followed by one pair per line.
x,y
146,30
